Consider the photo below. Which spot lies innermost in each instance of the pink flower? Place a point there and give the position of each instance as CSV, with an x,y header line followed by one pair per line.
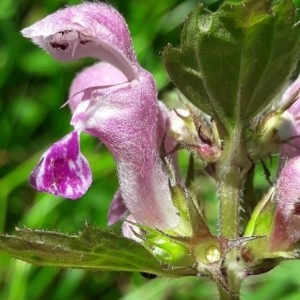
x,y
292,147
115,101
286,228
286,224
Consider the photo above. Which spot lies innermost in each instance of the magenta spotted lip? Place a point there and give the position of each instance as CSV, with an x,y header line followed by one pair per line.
x,y
63,170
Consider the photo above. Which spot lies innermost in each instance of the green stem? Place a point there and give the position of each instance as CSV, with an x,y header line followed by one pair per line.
x,y
229,206
230,194
230,295
231,171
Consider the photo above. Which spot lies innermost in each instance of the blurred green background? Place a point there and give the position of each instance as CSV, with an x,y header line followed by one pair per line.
x,y
32,88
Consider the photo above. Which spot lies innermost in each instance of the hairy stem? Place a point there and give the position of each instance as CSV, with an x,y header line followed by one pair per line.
x,y
232,169
228,295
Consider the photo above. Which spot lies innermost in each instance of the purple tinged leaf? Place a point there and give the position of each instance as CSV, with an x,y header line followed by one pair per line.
x,y
86,30
62,170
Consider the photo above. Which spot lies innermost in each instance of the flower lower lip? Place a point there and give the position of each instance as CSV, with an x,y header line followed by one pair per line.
x,y
62,170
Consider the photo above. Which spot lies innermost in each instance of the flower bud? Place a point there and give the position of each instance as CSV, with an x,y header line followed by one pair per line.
x,y
270,133
195,134
169,251
181,126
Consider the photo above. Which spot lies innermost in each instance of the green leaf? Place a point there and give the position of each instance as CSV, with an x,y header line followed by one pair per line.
x,y
233,62
260,223
93,248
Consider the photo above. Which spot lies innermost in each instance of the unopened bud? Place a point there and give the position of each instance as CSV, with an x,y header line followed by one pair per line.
x,y
270,133
181,126
195,134
170,252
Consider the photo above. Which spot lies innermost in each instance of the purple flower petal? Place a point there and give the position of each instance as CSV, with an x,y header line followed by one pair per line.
x,y
117,208
86,30
62,170
121,110
126,120
286,229
292,147
130,230
79,115
98,76
291,92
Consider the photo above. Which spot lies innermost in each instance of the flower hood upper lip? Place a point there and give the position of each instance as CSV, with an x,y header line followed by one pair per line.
x,y
86,30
